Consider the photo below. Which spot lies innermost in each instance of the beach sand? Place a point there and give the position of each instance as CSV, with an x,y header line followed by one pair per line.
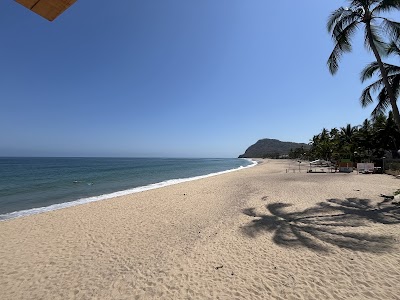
x,y
258,233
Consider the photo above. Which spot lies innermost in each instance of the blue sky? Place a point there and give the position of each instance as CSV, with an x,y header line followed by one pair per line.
x,y
171,78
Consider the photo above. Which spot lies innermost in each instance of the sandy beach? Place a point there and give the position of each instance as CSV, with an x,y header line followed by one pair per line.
x,y
258,233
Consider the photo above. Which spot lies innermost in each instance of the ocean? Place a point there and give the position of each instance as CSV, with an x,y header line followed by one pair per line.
x,y
34,185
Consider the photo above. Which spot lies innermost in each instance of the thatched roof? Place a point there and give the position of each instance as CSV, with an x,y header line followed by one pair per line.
x,y
48,9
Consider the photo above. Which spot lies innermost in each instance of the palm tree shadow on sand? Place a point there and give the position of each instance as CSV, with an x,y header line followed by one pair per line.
x,y
332,223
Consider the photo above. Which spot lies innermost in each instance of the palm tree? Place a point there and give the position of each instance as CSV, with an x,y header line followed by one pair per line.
x,y
364,137
393,73
348,132
348,138
369,140
343,24
320,146
384,135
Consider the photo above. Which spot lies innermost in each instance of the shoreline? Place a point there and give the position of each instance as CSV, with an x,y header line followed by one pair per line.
x,y
139,189
255,234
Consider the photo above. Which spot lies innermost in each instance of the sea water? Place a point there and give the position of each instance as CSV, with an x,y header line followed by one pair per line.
x,y
34,185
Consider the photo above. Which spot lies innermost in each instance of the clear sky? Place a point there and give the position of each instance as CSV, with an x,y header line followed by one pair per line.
x,y
171,78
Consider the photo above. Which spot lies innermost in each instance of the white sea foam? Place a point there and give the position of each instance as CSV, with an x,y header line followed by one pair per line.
x,y
34,211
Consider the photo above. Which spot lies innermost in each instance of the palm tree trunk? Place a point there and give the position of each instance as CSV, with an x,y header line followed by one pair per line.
x,y
388,87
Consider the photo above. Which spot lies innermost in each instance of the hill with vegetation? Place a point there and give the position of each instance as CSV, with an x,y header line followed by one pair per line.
x,y
271,148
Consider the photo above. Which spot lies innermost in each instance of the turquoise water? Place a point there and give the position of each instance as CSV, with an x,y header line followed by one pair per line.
x,y
34,185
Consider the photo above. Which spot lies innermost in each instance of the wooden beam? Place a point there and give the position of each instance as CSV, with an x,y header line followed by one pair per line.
x,y
48,9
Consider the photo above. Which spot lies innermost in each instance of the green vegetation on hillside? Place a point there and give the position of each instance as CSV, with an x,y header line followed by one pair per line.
x,y
271,148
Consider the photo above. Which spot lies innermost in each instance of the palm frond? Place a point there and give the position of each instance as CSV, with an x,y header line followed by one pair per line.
x,y
357,4
385,6
372,69
376,86
377,112
393,48
383,103
342,45
334,58
391,28
382,106
366,98
396,85
377,39
383,100
345,21
369,71
392,69
334,18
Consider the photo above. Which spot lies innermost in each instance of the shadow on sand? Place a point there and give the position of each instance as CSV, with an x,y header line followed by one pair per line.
x,y
334,222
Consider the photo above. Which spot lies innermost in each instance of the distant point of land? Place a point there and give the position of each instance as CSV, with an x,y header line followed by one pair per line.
x,y
270,148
